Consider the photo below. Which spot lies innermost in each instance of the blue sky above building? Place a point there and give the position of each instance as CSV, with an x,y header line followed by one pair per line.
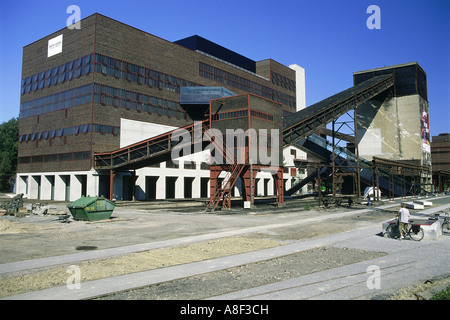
x,y
330,39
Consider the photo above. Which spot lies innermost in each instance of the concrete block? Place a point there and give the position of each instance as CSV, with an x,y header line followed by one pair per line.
x,y
412,205
432,229
424,202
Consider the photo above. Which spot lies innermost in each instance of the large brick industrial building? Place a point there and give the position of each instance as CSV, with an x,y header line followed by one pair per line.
x,y
108,85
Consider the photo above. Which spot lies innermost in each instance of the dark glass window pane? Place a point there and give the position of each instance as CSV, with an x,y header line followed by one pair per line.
x,y
54,71
405,80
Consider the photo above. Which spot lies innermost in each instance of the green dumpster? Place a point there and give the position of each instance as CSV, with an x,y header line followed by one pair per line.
x,y
91,208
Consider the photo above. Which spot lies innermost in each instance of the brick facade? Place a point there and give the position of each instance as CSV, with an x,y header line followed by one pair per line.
x,y
132,75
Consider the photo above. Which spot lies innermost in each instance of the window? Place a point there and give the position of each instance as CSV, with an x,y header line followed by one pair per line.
x,y
64,156
54,71
86,128
57,74
85,70
69,65
61,78
81,155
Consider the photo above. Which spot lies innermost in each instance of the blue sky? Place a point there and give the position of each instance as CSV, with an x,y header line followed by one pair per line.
x,y
328,38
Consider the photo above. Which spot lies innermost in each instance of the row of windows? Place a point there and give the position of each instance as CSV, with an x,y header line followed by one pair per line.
x,y
282,81
235,81
84,128
261,115
53,76
58,101
439,151
142,75
102,94
136,101
71,156
241,114
230,115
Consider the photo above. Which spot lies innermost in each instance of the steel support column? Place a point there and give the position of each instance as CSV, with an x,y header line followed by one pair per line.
x,y
112,174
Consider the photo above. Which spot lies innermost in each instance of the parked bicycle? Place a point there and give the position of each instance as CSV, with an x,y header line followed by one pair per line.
x,y
446,222
412,231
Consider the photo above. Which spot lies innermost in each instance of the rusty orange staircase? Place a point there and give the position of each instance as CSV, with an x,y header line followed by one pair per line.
x,y
224,192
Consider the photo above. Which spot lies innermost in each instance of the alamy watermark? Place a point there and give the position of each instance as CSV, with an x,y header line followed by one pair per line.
x,y
74,20
374,280
230,148
74,280
374,20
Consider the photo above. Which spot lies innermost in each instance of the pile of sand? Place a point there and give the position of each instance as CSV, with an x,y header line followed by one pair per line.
x,y
9,227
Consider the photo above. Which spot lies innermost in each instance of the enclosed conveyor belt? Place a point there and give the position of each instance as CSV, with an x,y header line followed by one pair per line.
x,y
305,122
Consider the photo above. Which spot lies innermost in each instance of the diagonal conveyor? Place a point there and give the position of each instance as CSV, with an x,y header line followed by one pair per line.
x,y
305,122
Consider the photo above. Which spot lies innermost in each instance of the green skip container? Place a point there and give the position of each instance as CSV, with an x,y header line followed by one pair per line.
x,y
91,208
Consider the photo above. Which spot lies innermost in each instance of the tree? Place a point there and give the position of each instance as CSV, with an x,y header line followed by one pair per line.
x,y
9,132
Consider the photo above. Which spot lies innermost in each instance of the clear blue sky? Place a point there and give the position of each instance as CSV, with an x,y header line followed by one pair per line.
x,y
328,38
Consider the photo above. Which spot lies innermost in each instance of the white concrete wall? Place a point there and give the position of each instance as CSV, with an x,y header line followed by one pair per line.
x,y
300,86
29,185
391,129
132,131
38,185
300,96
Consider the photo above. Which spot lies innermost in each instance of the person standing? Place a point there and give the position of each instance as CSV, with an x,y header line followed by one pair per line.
x,y
403,219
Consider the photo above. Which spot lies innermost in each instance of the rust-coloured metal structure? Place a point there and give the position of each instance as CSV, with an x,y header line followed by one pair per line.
x,y
245,129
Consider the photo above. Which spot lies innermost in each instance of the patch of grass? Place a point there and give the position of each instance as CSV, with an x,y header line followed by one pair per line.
x,y
443,295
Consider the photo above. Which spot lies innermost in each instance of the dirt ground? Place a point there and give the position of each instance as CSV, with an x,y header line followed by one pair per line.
x,y
248,276
45,235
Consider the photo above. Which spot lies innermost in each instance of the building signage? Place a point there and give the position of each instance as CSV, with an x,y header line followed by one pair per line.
x,y
425,128
55,46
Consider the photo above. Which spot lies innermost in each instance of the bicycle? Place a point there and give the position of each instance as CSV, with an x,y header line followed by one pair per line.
x,y
412,231
446,222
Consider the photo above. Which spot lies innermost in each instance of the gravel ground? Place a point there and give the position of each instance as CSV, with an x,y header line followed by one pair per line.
x,y
247,276
40,236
